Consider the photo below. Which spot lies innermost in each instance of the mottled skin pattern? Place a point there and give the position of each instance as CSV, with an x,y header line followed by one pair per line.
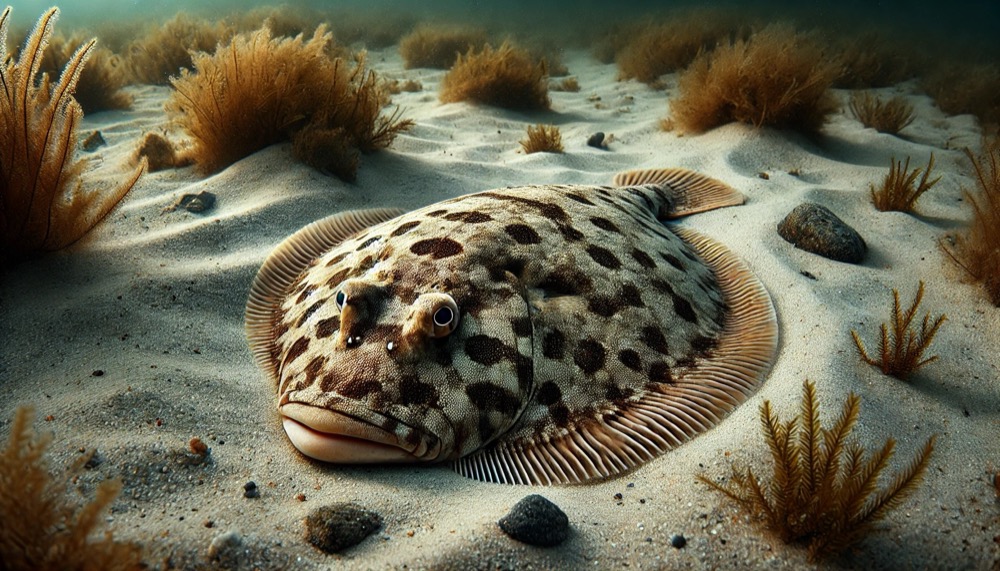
x,y
571,298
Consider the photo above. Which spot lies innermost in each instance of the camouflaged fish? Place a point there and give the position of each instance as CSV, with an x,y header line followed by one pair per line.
x,y
535,334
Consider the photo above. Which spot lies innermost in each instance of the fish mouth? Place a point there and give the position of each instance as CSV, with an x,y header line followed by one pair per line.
x,y
331,436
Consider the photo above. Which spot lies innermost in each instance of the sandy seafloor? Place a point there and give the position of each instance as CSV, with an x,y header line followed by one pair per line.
x,y
154,299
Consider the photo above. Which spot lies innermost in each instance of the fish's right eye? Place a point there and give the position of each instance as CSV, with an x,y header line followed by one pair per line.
x,y
340,299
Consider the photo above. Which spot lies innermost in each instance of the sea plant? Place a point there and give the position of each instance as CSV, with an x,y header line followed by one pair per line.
x,y
163,51
505,77
235,103
824,487
777,77
901,346
890,116
542,139
977,250
40,526
43,203
900,191
438,46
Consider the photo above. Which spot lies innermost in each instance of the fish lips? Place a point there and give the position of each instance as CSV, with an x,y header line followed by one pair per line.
x,y
347,438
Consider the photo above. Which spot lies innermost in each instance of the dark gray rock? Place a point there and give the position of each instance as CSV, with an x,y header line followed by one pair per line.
x,y
536,521
597,141
200,202
339,526
678,541
816,229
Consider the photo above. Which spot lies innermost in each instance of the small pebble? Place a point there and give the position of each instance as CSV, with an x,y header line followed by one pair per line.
x,y
97,373
339,526
618,496
816,229
197,446
597,141
250,490
678,541
536,521
200,202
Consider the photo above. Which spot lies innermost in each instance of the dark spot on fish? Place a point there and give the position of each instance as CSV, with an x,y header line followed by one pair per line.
x,y
485,350
313,369
605,224
305,293
617,395
647,202
578,198
662,287
404,228
565,281
702,344
631,296
655,340
486,396
436,248
549,393
437,213
358,387
589,356
469,217
689,255
297,349
684,309
560,415
631,359
280,329
327,327
413,391
336,259
338,278
521,326
310,311
643,259
367,243
525,373
523,234
659,372
554,345
604,257
546,209
672,260
570,233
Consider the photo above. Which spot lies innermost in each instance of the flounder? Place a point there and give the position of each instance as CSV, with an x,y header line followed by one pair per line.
x,y
535,334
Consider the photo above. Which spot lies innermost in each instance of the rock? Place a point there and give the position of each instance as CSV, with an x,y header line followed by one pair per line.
x,y
250,490
93,142
200,202
597,141
678,541
339,526
816,229
536,521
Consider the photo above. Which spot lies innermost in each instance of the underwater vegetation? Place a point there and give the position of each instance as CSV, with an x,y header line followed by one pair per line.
x,y
164,51
43,204
823,489
900,190
901,347
158,152
869,59
890,116
669,46
438,46
542,139
505,77
233,104
101,81
977,251
40,527
960,88
778,77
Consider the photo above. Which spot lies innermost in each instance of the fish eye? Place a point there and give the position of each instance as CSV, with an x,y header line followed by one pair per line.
x,y
340,299
443,316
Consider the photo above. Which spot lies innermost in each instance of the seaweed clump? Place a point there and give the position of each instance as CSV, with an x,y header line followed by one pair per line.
x,y
438,46
43,205
101,81
823,489
978,250
901,350
900,191
39,528
542,139
505,77
234,103
776,77
666,47
890,116
164,51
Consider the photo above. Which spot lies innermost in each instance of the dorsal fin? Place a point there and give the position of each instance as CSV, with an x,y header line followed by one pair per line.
x,y
687,191
665,415
283,266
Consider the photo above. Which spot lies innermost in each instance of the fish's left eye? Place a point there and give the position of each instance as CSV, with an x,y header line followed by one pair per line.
x,y
443,317
443,313
340,299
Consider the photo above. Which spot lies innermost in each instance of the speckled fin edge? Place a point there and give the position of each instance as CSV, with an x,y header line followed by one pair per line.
x,y
688,192
659,420
283,266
